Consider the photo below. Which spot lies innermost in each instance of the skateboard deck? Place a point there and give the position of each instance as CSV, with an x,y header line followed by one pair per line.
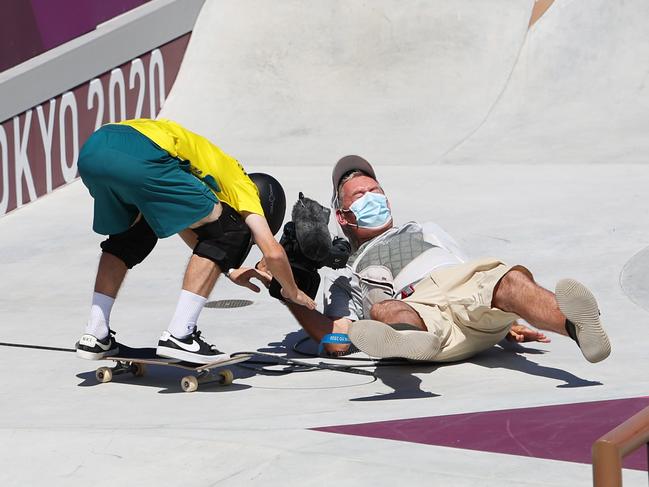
x,y
135,360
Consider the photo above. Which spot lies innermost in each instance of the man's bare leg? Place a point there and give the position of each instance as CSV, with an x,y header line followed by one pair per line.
x,y
110,275
518,293
181,340
572,311
393,312
111,272
97,342
200,276
201,273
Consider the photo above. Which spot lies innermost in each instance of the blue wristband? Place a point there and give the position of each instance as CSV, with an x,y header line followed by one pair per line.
x,y
340,338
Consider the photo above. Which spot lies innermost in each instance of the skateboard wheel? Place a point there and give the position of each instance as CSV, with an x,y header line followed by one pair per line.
x,y
139,370
189,383
226,377
104,374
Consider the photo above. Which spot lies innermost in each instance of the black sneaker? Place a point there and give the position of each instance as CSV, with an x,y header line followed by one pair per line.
x,y
189,349
91,348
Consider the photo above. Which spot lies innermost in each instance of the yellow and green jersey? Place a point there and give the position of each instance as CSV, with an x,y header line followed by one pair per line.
x,y
220,172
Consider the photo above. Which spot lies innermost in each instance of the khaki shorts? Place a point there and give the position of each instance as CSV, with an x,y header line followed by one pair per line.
x,y
455,304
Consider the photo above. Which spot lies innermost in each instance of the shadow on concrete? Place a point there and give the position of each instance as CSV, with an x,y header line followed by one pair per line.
x,y
399,375
508,355
401,378
395,374
290,346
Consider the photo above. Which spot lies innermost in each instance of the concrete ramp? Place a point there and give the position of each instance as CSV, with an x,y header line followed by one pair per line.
x,y
296,82
301,82
579,92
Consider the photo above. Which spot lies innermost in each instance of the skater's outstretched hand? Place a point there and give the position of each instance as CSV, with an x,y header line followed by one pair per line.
x,y
243,275
299,298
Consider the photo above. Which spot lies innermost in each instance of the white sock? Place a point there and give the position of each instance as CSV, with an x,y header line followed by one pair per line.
x,y
188,308
98,323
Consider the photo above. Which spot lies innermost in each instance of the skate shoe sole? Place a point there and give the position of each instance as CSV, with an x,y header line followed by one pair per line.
x,y
580,307
85,354
382,341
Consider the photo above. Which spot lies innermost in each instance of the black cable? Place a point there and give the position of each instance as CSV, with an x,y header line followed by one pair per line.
x,y
37,347
259,366
281,360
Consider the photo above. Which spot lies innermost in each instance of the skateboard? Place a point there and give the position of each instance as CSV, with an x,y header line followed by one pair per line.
x,y
135,360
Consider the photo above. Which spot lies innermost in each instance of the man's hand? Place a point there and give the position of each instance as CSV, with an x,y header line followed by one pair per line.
x,y
299,298
521,333
243,275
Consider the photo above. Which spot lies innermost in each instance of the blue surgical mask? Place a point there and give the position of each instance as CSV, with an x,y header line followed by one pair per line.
x,y
371,210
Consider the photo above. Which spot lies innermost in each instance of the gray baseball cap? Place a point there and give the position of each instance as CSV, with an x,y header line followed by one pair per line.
x,y
345,165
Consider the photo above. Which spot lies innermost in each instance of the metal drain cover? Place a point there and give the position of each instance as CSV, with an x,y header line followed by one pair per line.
x,y
634,279
228,303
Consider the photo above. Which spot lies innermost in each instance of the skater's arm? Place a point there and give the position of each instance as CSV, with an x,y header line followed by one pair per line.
x,y
243,275
315,323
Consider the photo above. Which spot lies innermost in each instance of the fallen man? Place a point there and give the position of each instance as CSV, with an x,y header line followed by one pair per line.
x,y
411,292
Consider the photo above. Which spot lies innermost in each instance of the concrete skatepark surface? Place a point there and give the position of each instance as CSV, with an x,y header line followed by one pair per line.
x,y
523,144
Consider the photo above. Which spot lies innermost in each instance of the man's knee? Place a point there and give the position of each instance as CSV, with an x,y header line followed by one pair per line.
x,y
393,311
382,311
225,241
517,275
510,286
133,245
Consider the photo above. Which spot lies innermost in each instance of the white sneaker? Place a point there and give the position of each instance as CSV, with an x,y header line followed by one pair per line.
x,y
580,307
383,341
89,347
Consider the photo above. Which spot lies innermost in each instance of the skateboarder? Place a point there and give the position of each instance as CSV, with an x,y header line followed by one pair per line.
x,y
151,179
443,306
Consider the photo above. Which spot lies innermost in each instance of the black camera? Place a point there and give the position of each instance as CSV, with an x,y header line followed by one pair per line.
x,y
307,241
339,255
336,257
